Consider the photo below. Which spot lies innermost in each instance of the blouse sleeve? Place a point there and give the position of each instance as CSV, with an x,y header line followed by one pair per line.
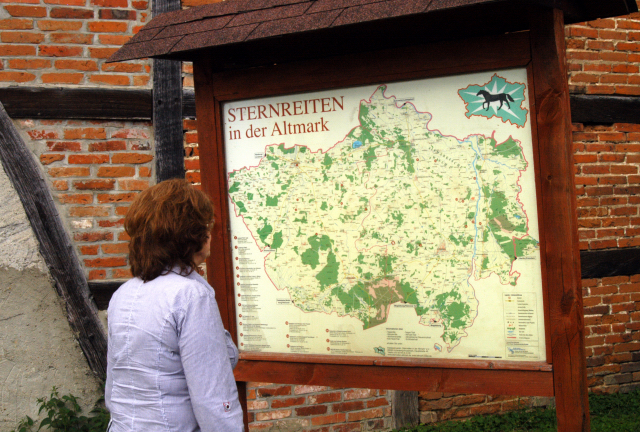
x,y
205,356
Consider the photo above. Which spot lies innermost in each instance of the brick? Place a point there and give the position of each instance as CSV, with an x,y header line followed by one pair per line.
x,y
329,419
277,391
75,198
353,427
116,198
59,51
40,134
26,11
122,211
121,80
89,159
46,159
71,13
115,248
311,410
348,406
71,38
101,53
133,185
140,5
17,50
97,274
121,273
131,158
144,171
69,172
131,133
122,67
89,250
85,211
117,14
288,402
55,25
21,37
93,236
273,415
107,27
141,80
193,177
73,146
257,405
16,24
109,3
29,64
83,65
85,133
108,146
60,185
109,39
321,398
366,414
106,223
66,2
105,262
62,78
94,185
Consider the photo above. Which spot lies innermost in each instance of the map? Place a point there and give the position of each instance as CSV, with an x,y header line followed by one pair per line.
x,y
379,243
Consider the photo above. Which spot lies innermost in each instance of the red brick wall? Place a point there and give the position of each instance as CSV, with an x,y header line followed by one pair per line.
x,y
95,169
612,336
608,185
604,56
54,42
315,408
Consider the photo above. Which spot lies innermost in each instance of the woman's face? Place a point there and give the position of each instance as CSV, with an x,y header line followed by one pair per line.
x,y
203,253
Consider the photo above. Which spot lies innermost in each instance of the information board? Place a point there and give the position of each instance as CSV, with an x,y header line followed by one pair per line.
x,y
395,220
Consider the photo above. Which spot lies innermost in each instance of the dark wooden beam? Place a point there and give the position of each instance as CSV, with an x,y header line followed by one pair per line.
x,y
98,103
167,108
54,244
613,262
605,109
79,103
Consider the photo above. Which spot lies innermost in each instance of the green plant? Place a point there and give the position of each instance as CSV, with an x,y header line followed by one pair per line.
x,y
63,415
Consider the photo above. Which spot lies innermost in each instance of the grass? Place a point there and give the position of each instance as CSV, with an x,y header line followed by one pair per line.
x,y
618,412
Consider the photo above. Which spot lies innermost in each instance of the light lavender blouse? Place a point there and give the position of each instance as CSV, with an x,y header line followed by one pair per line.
x,y
169,362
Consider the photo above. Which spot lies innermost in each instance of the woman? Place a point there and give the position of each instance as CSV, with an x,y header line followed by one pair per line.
x,y
170,361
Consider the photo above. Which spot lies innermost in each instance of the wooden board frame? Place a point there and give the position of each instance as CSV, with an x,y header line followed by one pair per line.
x,y
541,51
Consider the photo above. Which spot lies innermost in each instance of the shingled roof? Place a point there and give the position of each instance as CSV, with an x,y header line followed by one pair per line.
x,y
178,34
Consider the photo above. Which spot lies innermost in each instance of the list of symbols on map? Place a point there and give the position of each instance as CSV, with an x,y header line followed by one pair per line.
x,y
246,276
521,329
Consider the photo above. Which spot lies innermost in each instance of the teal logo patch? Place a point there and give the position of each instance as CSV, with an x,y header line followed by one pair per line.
x,y
378,350
497,98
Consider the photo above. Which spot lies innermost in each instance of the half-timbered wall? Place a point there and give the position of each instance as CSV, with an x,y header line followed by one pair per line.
x,y
95,168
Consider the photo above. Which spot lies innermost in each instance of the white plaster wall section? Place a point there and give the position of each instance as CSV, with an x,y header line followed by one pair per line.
x,y
37,347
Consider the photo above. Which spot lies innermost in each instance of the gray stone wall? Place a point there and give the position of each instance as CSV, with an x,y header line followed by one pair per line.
x,y
37,348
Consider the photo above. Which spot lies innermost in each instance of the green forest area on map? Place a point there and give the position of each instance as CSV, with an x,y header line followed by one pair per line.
x,y
394,212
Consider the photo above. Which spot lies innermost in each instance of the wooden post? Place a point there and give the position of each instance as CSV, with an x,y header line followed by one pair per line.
x,y
556,164
167,109
405,408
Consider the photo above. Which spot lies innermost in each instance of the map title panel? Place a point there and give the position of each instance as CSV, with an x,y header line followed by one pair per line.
x,y
396,220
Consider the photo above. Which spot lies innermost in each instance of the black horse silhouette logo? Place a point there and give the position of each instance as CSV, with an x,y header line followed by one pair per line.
x,y
503,98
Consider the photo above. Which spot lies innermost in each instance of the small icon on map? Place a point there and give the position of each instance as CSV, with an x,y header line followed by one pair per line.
x,y
378,350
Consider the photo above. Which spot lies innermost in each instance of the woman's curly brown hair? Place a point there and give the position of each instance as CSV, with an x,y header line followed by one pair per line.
x,y
168,224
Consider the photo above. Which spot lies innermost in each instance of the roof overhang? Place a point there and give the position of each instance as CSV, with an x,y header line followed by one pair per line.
x,y
245,33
